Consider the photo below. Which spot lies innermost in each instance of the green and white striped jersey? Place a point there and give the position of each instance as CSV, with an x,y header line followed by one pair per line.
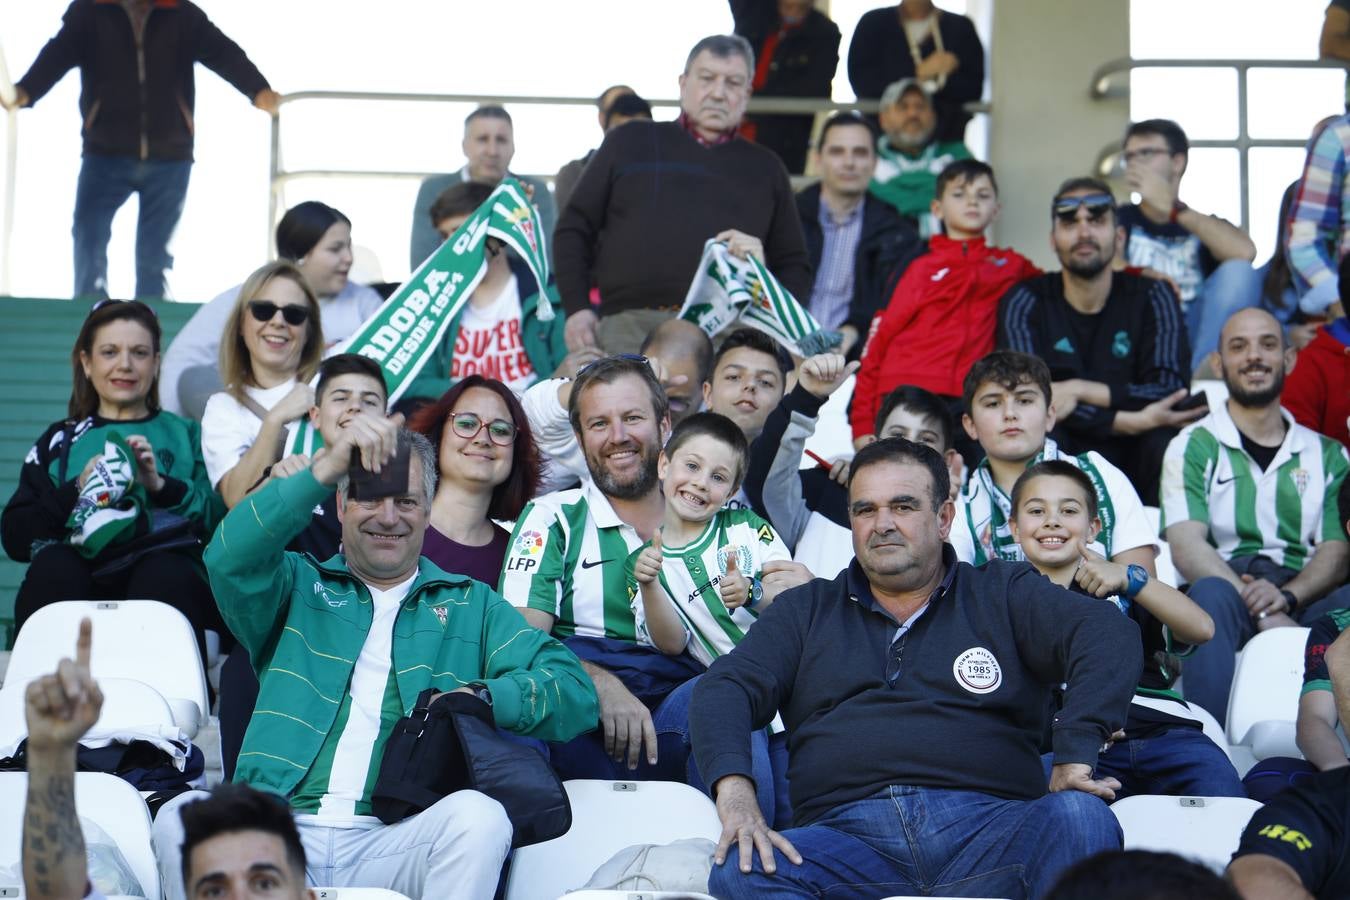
x,y
567,558
690,576
981,532
1281,513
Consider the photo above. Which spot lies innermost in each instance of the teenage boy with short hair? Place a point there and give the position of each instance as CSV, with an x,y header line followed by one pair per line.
x,y
1008,409
809,507
944,310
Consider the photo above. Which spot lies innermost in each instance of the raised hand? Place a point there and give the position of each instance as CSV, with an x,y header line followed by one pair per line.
x,y
62,706
822,374
1098,575
647,567
734,588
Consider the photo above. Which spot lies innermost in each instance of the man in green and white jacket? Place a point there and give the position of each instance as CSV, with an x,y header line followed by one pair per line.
x,y
342,649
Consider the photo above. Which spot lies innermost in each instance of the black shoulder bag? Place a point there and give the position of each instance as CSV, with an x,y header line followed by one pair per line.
x,y
453,745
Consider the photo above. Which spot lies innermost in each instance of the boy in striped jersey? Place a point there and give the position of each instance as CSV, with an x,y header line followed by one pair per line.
x,y
698,577
1249,507
696,584
1007,397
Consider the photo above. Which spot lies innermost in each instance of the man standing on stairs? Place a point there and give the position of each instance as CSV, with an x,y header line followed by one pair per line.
x,y
136,60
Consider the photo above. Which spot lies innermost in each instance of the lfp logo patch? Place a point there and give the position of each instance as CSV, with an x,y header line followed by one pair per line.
x,y
529,543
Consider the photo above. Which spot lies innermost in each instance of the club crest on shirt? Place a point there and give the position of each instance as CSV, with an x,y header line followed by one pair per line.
x,y
1120,345
745,561
441,613
978,671
1301,480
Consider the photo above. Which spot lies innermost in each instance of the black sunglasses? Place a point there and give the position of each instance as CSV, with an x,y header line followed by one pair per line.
x,y
264,310
1065,209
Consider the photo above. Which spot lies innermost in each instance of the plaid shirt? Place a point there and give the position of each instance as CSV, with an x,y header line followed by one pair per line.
x,y
1319,222
833,290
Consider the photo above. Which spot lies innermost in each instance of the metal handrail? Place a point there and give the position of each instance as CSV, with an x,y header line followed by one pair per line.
x,y
1104,86
278,176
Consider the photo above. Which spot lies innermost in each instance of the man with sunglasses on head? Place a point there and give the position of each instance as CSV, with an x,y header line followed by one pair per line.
x,y
1208,259
1115,342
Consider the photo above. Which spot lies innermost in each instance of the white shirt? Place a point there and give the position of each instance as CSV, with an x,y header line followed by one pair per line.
x,y
489,342
229,428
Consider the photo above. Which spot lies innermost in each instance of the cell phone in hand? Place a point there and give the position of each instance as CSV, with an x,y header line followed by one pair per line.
x,y
390,481
1197,400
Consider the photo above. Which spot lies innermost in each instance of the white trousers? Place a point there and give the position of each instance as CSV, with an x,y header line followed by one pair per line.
x,y
459,845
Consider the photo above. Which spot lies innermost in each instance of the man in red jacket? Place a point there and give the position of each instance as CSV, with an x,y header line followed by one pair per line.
x,y
1318,389
945,305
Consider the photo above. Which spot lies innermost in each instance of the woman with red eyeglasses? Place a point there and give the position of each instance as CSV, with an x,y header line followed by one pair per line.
x,y
270,348
156,474
489,469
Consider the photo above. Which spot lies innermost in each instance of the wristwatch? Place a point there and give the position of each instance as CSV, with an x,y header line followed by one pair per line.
x,y
756,593
1136,576
1290,599
480,691
1177,209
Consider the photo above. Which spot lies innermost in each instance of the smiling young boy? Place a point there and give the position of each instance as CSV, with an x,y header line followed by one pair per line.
x,y
1165,751
696,584
1007,400
944,310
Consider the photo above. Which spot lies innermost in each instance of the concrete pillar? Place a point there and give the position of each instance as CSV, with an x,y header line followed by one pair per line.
x,y
1045,126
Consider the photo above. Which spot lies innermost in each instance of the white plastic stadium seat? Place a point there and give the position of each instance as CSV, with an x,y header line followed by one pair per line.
x,y
1263,704
127,706
1215,390
107,800
833,436
141,640
608,816
355,893
1205,829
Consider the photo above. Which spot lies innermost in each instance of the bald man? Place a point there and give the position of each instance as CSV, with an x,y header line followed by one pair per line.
x,y
686,354
1249,507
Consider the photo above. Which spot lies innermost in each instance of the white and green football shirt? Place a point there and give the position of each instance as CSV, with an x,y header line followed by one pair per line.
x,y
690,576
567,558
1281,513
981,532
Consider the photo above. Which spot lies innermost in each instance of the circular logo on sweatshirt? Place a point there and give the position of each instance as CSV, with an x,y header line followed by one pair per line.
x,y
977,671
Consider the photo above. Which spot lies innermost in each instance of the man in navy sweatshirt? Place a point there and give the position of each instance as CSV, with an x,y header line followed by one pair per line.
x,y
915,690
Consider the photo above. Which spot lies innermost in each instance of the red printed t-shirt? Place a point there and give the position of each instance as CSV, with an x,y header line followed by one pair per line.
x,y
489,342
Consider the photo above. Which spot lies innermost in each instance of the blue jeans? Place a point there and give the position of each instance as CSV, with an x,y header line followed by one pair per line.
x,y
1207,674
104,185
768,757
1180,762
1234,285
911,840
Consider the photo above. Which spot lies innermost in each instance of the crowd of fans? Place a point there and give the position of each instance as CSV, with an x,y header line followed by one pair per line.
x,y
894,673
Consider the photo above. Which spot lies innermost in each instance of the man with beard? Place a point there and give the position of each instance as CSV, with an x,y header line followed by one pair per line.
x,y
1249,507
909,155
1115,341
566,572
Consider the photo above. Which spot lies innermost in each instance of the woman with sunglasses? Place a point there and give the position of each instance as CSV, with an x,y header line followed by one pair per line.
x,y
115,370
318,239
270,348
489,469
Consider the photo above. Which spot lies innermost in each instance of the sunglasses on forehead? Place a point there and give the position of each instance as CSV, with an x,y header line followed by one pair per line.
x,y
111,301
264,310
1065,209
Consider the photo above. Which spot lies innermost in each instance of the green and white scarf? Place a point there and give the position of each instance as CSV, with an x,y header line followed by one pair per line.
x,y
727,289
405,331
110,501
1001,540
